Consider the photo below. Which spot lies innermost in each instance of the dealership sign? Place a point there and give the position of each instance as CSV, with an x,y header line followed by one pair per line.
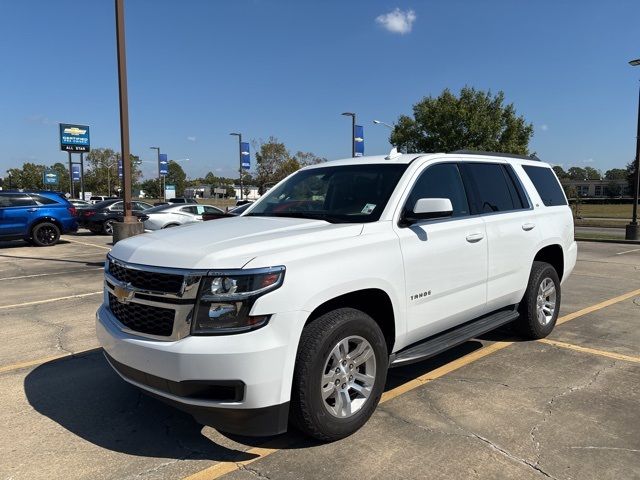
x,y
163,164
74,138
49,177
358,140
245,155
75,172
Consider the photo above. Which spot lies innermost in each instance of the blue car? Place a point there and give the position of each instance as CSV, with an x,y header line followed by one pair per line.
x,y
37,217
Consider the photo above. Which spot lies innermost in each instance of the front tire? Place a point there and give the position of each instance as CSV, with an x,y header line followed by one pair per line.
x,y
45,234
541,302
107,227
339,376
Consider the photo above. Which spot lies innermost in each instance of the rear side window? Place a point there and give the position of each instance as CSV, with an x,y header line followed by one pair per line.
x,y
16,200
42,200
493,188
440,181
546,184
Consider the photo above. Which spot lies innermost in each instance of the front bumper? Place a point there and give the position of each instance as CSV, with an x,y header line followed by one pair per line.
x,y
260,361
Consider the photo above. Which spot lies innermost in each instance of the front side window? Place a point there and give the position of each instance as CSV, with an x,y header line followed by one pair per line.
x,y
548,186
440,181
337,194
493,188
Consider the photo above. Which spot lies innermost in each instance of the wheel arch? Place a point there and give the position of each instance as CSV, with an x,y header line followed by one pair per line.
x,y
44,219
374,302
553,255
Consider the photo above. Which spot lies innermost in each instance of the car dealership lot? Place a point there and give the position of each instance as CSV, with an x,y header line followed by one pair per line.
x,y
566,407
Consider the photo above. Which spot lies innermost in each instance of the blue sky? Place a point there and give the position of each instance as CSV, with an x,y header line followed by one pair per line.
x,y
199,69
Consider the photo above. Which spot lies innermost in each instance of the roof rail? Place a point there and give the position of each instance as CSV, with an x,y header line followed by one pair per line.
x,y
533,156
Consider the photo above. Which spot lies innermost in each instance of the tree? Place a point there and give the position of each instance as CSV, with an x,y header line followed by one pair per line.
x,y
271,157
308,158
101,171
560,173
177,177
475,120
577,173
151,188
615,174
592,173
613,189
631,177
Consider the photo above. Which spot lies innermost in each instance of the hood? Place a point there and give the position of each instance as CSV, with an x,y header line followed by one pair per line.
x,y
228,242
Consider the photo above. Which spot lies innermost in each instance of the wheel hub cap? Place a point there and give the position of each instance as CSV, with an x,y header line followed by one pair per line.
x,y
546,301
348,376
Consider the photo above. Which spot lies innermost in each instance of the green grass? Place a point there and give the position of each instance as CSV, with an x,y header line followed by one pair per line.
x,y
596,236
604,211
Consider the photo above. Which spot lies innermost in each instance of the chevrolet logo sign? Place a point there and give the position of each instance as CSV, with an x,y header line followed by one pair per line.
x,y
123,294
75,131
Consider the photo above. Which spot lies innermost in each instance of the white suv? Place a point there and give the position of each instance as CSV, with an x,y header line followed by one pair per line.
x,y
294,311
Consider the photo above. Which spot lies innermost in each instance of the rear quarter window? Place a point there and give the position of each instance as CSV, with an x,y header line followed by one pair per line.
x,y
42,200
546,184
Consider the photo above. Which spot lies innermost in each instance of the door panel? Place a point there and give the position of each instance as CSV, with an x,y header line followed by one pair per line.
x,y
445,274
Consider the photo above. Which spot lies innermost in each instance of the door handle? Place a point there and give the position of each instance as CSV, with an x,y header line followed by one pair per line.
x,y
528,226
32,210
474,237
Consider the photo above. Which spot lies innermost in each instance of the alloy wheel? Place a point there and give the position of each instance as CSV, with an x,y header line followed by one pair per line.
x,y
546,301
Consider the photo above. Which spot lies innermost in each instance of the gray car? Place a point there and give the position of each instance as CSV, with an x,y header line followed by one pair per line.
x,y
167,216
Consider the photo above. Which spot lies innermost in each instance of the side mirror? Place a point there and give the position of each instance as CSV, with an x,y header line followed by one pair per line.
x,y
427,208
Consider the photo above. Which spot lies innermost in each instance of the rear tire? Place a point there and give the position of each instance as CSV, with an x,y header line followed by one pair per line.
x,y
107,227
45,234
541,302
339,375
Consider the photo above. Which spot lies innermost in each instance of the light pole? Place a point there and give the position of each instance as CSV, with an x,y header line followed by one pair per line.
x,y
385,124
632,232
239,135
157,149
353,131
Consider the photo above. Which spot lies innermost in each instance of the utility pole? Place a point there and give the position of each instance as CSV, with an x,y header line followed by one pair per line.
x,y
124,112
239,135
632,232
353,132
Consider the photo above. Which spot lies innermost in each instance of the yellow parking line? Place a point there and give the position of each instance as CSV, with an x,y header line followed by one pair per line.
x,y
87,243
597,306
40,361
603,353
49,300
222,468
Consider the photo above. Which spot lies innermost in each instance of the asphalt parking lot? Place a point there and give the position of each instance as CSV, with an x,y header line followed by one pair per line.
x,y
566,407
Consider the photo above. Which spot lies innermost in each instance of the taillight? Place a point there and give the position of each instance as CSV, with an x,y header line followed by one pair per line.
x,y
88,213
72,211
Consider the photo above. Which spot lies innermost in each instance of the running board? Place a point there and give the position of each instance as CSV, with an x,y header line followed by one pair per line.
x,y
444,341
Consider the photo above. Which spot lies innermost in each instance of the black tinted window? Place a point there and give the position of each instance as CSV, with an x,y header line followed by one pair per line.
x,y
547,185
493,190
440,181
16,200
42,200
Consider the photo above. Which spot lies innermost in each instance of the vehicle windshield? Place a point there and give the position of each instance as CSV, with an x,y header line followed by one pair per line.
x,y
337,194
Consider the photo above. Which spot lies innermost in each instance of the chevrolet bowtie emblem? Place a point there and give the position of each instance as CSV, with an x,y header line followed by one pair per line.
x,y
123,294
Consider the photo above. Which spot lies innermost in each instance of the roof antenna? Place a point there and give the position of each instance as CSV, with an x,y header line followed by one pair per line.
x,y
393,154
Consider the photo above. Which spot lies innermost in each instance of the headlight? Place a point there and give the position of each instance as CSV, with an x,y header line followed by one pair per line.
x,y
225,300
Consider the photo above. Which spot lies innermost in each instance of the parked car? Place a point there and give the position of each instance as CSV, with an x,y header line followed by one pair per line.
x,y
182,200
79,203
294,310
167,216
37,217
98,198
99,218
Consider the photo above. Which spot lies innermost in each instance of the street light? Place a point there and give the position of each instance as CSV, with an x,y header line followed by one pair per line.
x,y
353,131
378,122
632,232
157,149
239,135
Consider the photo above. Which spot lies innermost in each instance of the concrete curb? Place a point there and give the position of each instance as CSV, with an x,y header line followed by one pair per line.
x,y
603,240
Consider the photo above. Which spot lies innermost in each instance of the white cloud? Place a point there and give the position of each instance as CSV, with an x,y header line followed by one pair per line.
x,y
544,127
397,21
589,160
191,138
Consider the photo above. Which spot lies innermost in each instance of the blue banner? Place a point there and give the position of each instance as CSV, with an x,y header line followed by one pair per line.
x,y
49,177
74,138
163,164
75,172
120,168
358,140
245,155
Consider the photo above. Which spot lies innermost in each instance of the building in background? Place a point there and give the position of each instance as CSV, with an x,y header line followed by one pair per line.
x,y
597,188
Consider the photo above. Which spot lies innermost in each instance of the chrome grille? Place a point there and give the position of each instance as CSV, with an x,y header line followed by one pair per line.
x,y
143,318
146,280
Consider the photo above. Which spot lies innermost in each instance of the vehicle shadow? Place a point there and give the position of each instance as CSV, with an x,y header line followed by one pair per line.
x,y
62,260
86,397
